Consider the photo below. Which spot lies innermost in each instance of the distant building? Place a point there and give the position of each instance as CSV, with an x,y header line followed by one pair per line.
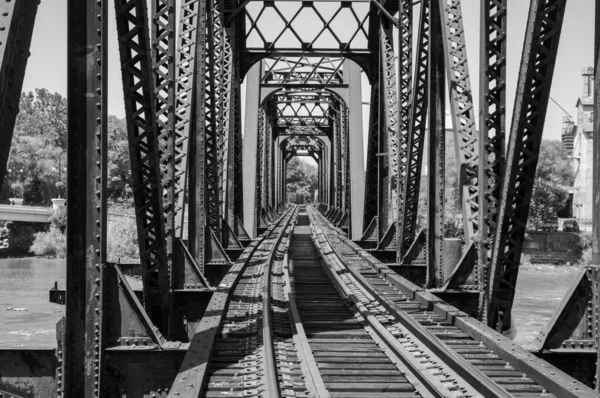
x,y
582,150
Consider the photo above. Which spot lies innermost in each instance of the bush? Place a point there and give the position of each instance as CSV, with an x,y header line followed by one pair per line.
x,y
584,244
51,244
58,219
123,241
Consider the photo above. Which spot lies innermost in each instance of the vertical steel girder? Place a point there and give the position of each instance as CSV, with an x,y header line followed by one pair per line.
x,y
238,176
142,130
163,54
371,172
81,365
437,116
260,162
354,129
197,162
405,66
186,46
336,198
596,149
492,129
417,120
254,123
233,132
535,79
394,140
463,114
347,186
268,162
211,126
18,17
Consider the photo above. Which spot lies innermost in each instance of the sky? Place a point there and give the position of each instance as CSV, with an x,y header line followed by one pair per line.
x,y
47,64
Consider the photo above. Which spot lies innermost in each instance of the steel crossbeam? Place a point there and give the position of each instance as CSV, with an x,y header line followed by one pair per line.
x,y
264,17
303,71
15,39
142,129
492,126
535,78
417,120
463,114
81,368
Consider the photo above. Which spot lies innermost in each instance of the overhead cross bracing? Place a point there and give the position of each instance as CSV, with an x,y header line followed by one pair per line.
x,y
303,65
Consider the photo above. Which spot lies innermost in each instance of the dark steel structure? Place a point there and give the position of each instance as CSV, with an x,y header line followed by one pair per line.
x,y
303,65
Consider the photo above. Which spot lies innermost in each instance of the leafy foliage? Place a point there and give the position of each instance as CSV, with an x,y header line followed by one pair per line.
x,y
553,177
51,244
58,219
301,178
37,166
122,241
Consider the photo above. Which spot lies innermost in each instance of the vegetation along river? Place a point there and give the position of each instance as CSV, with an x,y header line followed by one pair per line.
x,y
28,319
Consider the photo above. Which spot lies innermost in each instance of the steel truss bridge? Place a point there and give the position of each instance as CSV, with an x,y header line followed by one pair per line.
x,y
350,297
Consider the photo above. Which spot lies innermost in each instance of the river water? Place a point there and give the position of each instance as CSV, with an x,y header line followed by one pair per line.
x,y
25,284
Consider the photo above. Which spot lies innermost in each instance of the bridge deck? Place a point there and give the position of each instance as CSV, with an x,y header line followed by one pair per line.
x,y
314,315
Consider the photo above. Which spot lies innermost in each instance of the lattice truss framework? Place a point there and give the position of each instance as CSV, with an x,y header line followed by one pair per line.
x,y
184,98
492,143
533,91
302,26
305,71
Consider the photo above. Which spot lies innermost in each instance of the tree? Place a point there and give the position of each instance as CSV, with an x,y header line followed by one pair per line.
x,y
38,150
39,140
301,178
552,178
119,165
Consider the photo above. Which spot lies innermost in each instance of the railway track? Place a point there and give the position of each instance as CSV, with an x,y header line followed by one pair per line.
x,y
487,361
309,314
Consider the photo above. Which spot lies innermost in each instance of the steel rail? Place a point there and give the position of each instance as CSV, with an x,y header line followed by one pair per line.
x,y
464,369
431,384
192,375
270,375
553,380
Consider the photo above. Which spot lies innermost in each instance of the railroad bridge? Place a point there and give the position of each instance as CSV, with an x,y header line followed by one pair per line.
x,y
352,296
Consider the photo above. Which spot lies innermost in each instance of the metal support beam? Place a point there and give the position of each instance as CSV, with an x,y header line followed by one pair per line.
x,y
535,79
142,130
390,127
83,366
18,17
463,114
437,144
210,99
252,132
163,53
371,201
186,47
492,130
417,120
